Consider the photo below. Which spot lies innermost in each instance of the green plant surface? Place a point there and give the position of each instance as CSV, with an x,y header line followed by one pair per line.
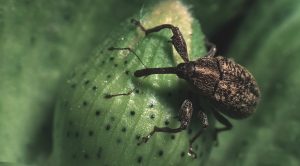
x,y
91,130
268,43
39,42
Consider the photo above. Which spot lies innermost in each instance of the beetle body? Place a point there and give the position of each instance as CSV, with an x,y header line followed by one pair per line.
x,y
229,86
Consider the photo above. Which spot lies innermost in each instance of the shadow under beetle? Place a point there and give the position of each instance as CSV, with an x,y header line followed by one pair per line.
x,y
230,87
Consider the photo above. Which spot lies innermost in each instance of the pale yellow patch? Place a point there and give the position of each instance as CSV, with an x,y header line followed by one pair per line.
x,y
175,13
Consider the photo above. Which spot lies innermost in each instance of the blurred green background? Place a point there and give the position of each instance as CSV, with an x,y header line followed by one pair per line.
x,y
41,42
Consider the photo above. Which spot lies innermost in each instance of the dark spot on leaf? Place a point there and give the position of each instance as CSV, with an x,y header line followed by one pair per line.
x,y
91,133
94,88
86,82
86,156
99,153
172,137
119,140
132,113
107,127
76,134
108,76
137,137
112,118
74,156
160,153
32,40
97,113
67,16
151,105
125,62
182,154
124,129
167,122
126,72
152,116
200,154
137,91
66,104
111,58
73,86
140,159
84,103
116,65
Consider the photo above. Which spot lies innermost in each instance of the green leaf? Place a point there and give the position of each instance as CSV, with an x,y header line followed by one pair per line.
x,y
93,130
39,42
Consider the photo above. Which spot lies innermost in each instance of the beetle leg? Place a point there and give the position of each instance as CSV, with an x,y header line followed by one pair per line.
x,y
204,124
108,95
212,48
224,121
177,38
185,115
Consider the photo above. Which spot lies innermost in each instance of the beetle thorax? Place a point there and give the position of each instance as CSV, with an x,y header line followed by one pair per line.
x,y
204,74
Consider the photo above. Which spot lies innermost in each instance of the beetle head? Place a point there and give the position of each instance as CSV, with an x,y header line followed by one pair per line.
x,y
185,70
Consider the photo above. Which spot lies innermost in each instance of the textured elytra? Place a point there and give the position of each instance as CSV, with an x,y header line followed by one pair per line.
x,y
230,87
93,130
237,92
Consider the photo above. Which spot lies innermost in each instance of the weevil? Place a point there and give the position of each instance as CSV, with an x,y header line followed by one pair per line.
x,y
230,87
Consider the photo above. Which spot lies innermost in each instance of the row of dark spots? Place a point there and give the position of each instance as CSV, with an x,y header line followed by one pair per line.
x,y
91,133
94,88
76,133
87,156
139,160
112,59
151,116
70,134
126,72
73,86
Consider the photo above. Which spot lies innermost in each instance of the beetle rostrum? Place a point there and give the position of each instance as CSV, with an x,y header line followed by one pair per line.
x,y
230,87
